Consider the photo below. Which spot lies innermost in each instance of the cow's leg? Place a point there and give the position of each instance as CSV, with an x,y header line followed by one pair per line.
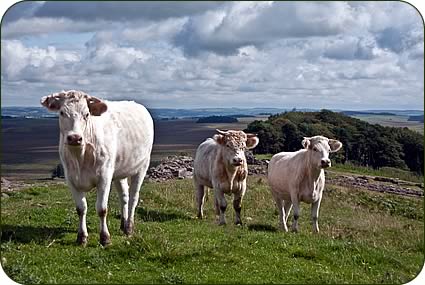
x,y
103,190
221,201
237,204
200,198
287,205
282,218
217,207
136,183
81,207
315,215
296,204
122,189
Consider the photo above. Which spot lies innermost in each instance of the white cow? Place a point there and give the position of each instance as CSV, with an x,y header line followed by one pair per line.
x,y
220,164
299,176
101,141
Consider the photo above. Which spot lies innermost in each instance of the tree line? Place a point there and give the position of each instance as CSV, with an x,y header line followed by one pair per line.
x,y
364,144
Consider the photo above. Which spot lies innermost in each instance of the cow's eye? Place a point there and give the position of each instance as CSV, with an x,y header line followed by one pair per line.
x,y
61,113
315,149
86,116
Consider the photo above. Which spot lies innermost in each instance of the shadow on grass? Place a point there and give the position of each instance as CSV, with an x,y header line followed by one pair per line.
x,y
27,234
261,228
159,216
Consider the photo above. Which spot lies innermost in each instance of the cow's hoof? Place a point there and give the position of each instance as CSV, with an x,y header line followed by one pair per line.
x,y
105,239
122,226
222,223
200,216
129,229
239,223
81,240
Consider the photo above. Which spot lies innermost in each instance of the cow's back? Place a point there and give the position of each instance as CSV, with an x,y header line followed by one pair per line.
x,y
204,160
131,127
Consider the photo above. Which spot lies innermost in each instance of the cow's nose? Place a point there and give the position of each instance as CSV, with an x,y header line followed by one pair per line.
x,y
325,163
74,139
237,161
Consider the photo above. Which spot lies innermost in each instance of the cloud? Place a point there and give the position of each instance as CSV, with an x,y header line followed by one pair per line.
x,y
110,59
258,23
124,10
24,9
304,54
43,26
23,63
352,48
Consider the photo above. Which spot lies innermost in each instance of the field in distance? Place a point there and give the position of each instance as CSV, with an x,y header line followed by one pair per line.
x,y
398,121
30,146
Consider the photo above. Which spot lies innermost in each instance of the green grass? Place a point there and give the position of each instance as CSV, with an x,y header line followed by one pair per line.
x,y
384,171
264,156
365,238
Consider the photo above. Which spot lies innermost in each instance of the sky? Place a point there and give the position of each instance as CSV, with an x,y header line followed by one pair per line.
x,y
334,55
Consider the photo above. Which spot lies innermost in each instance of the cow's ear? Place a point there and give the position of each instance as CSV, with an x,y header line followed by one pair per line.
x,y
53,102
335,145
219,138
96,106
251,141
306,142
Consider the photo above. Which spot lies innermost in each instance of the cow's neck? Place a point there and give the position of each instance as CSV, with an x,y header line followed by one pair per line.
x,y
311,171
228,170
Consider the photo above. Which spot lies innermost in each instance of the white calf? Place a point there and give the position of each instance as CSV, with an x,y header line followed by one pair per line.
x,y
299,176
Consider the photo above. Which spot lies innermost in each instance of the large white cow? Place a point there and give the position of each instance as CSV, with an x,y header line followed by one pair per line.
x,y
299,176
220,164
101,141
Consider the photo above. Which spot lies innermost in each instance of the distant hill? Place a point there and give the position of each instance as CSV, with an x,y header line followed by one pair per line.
x,y
217,119
355,113
419,118
363,143
241,116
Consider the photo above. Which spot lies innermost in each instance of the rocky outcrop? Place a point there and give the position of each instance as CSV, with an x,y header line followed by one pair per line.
x,y
10,185
387,185
181,167
173,167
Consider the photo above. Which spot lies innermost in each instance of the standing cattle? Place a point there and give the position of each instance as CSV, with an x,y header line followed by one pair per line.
x,y
101,141
299,176
220,164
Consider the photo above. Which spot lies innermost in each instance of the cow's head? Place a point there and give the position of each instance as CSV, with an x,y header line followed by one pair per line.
x,y
319,148
75,109
234,144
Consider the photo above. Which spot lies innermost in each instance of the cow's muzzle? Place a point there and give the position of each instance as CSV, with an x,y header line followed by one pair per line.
x,y
74,140
325,163
237,161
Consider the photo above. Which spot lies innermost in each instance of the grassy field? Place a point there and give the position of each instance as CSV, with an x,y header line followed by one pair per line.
x,y
365,238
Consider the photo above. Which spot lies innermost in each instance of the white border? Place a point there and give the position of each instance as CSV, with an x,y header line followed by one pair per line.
x,y
5,4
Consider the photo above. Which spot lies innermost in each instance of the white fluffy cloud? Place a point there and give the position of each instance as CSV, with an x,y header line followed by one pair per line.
x,y
28,63
306,54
